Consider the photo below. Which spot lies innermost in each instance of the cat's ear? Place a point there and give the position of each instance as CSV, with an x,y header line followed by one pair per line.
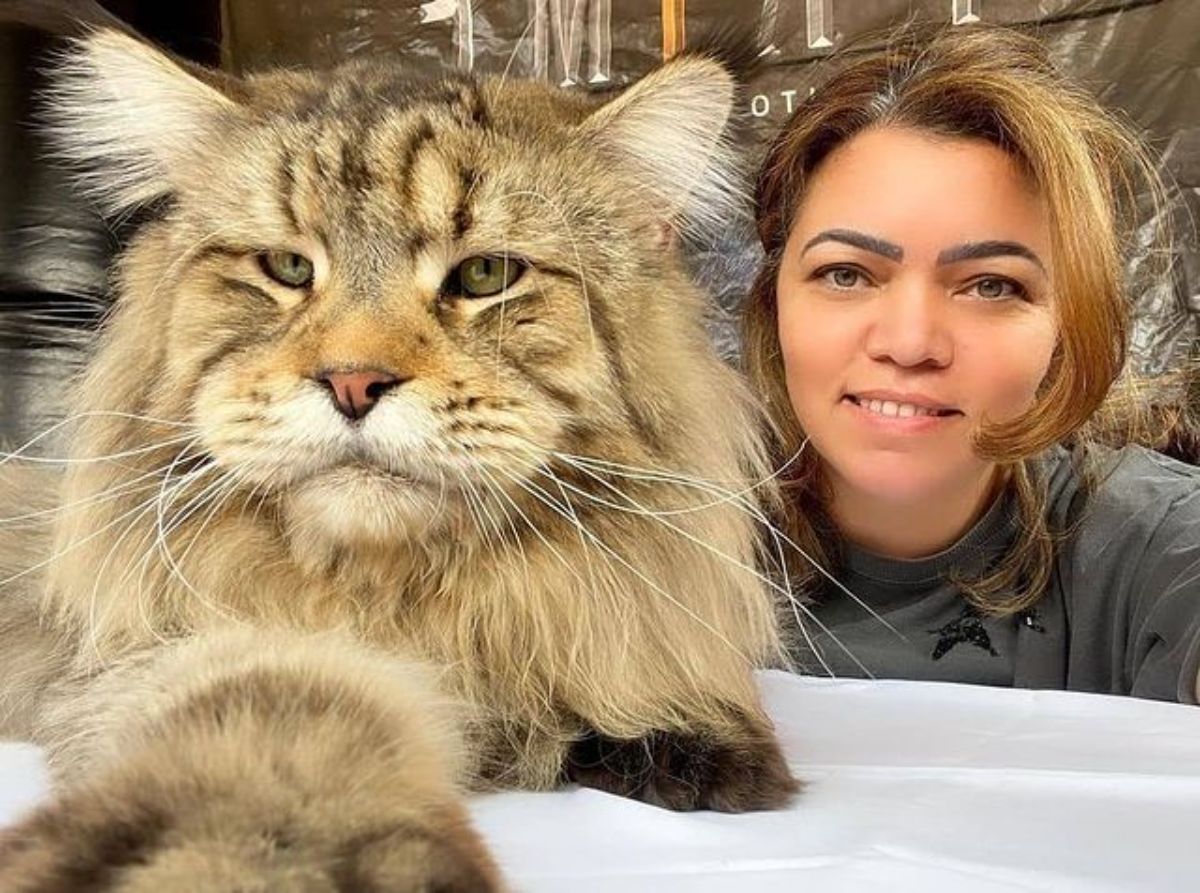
x,y
672,131
128,117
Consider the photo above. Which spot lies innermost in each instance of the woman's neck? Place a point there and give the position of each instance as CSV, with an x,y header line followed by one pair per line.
x,y
914,528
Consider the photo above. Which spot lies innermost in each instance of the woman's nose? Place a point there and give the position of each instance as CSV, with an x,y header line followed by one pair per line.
x,y
912,326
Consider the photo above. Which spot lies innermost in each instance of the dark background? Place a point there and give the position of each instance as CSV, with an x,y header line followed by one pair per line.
x,y
1141,57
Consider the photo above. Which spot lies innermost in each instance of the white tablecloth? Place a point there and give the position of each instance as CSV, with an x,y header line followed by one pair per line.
x,y
911,787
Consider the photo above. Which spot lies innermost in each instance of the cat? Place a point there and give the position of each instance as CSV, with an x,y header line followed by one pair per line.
x,y
402,467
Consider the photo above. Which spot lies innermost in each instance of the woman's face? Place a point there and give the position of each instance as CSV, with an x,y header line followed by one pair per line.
x,y
914,304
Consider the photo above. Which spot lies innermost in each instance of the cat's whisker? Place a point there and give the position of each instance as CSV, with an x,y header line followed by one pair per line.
x,y
726,497
499,339
636,508
215,493
537,530
92,460
159,541
46,562
480,513
143,481
494,534
652,474
496,489
516,49
441,503
231,487
578,524
261,491
141,565
472,501
563,560
166,496
134,515
547,500
750,508
20,451
738,500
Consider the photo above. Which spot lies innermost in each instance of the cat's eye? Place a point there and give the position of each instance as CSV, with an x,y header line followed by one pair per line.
x,y
483,276
287,268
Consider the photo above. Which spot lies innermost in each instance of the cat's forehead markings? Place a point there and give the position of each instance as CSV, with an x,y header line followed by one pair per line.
x,y
435,178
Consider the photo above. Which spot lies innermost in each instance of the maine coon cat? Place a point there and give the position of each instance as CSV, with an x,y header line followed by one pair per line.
x,y
402,467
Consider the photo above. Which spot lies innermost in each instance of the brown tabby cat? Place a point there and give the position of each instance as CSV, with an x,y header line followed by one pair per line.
x,y
403,466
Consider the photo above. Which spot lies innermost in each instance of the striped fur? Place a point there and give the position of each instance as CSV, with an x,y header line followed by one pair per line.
x,y
538,547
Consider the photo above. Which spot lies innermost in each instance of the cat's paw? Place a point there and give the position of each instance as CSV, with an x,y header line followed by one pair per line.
x,y
740,771
89,844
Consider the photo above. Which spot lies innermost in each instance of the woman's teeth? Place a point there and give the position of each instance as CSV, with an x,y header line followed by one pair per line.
x,y
894,410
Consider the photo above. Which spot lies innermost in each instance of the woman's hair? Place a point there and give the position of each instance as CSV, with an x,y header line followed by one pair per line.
x,y
997,85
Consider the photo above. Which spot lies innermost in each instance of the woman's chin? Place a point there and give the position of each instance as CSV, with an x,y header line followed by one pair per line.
x,y
918,482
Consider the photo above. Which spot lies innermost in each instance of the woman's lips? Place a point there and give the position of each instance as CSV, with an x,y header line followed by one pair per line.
x,y
900,413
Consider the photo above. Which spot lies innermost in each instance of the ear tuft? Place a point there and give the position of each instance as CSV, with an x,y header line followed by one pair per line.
x,y
125,116
673,131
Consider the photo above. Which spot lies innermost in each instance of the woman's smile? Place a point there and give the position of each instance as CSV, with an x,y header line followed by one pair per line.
x,y
894,413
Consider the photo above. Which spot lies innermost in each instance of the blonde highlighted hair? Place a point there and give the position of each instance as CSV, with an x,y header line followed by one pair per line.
x,y
997,85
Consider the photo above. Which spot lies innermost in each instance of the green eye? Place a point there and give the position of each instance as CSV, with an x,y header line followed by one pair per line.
x,y
483,276
286,268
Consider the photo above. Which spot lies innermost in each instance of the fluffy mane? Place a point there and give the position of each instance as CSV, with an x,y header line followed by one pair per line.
x,y
593,523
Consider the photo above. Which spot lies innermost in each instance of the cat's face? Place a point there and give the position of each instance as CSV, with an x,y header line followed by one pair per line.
x,y
379,296
398,307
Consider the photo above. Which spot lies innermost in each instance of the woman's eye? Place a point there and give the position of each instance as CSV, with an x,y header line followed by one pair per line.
x,y
995,288
842,278
483,276
287,268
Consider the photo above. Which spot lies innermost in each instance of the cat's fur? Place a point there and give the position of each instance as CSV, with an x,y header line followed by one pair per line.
x,y
267,647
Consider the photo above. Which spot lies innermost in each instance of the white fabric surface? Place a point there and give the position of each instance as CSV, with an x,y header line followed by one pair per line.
x,y
911,787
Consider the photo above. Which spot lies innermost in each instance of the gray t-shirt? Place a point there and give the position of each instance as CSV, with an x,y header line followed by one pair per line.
x,y
1121,615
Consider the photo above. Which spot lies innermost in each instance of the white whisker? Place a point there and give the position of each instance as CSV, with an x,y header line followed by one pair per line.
x,y
539,494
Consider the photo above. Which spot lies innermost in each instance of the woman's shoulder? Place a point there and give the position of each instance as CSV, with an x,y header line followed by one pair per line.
x,y
1132,479
1133,463
1130,568
1122,511
1120,507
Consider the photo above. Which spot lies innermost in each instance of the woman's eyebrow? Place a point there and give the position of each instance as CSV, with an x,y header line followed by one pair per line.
x,y
976,250
857,240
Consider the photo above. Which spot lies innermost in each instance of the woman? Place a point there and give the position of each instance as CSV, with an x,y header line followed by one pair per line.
x,y
941,308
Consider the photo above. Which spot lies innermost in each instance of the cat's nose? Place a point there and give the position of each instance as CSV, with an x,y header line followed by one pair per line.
x,y
355,393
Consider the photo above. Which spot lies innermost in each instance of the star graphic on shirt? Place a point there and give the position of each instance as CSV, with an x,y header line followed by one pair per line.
x,y
969,628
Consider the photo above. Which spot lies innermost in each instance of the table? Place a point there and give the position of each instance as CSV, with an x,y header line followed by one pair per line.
x,y
911,786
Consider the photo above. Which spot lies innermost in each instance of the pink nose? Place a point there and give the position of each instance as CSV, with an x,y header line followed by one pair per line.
x,y
356,393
